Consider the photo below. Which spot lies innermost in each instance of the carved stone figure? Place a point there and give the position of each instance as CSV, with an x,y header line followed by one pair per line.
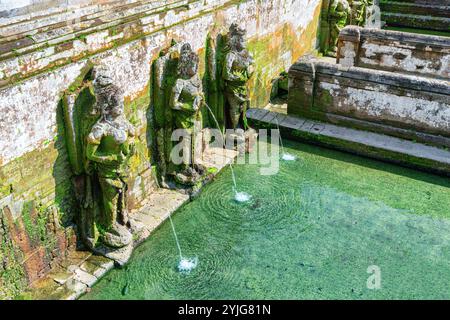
x,y
108,148
338,16
238,68
358,12
99,142
186,101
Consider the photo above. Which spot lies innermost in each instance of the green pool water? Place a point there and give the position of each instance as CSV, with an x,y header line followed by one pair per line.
x,y
309,232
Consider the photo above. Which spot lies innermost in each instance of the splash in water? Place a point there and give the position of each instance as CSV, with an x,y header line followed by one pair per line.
x,y
186,265
288,157
242,197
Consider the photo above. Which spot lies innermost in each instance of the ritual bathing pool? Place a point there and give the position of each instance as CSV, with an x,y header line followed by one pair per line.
x,y
312,231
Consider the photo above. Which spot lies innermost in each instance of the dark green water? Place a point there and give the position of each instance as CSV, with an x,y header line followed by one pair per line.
x,y
309,232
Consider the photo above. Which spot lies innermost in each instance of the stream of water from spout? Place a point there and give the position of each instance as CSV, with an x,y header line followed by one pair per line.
x,y
285,156
185,265
238,196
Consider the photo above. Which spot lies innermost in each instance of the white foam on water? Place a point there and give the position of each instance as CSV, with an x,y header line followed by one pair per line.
x,y
186,265
242,197
288,157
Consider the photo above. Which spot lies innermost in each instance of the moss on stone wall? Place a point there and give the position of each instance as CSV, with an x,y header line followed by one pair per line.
x,y
12,275
275,52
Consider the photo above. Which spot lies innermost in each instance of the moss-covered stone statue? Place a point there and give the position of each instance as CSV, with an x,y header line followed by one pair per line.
x,y
186,101
358,12
100,142
238,68
109,146
338,14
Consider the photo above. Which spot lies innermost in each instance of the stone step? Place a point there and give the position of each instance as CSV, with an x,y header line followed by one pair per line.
x,y
50,26
415,9
45,8
364,143
30,54
416,21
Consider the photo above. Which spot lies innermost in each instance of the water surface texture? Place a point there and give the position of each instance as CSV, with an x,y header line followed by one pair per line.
x,y
309,232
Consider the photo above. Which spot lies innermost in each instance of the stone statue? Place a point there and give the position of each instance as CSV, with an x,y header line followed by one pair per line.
x,y
186,101
108,148
99,141
238,68
358,12
338,15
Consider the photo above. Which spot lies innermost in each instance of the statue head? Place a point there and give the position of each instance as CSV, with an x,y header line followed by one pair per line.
x,y
102,77
342,5
111,101
188,63
236,37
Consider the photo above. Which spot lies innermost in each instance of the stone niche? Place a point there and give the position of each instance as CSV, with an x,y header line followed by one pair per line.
x,y
416,54
414,108
43,56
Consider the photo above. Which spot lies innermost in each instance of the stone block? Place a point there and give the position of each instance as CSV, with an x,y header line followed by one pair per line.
x,y
406,106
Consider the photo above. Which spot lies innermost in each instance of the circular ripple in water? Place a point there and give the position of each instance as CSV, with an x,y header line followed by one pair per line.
x,y
261,211
214,269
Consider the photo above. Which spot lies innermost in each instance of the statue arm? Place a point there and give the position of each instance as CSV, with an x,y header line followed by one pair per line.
x,y
93,142
175,102
228,69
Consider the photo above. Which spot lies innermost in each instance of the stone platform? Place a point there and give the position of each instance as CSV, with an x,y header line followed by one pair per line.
x,y
364,143
74,276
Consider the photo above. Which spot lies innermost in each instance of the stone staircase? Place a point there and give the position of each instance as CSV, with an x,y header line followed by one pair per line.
x,y
428,15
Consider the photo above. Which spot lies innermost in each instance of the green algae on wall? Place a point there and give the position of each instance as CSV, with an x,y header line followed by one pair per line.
x,y
275,53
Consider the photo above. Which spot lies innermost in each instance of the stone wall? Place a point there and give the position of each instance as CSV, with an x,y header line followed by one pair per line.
x,y
415,108
394,51
42,57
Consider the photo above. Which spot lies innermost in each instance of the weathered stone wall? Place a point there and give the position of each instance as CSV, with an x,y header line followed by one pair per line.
x,y
16,11
416,108
394,51
42,57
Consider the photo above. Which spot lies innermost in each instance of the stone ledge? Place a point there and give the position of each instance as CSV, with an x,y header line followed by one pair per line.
x,y
394,51
61,10
29,55
374,145
416,21
315,66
